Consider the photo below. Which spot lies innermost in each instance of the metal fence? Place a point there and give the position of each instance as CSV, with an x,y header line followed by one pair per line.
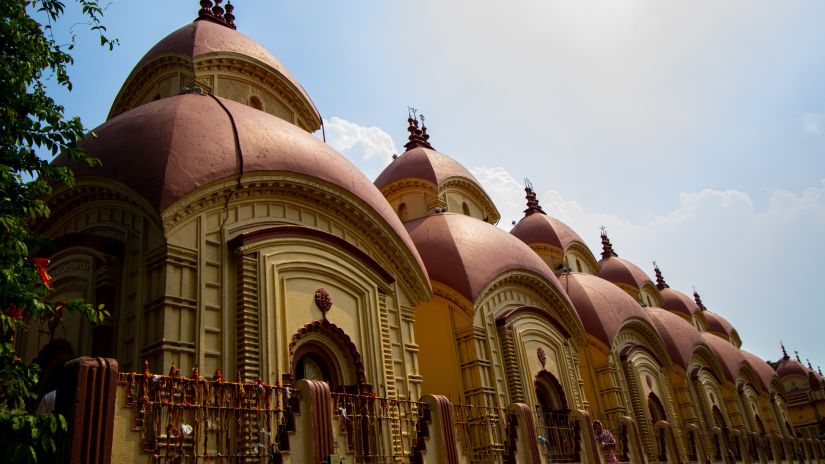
x,y
483,432
558,437
381,430
620,438
193,419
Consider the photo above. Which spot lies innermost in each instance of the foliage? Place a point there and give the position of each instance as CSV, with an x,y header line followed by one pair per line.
x,y
32,123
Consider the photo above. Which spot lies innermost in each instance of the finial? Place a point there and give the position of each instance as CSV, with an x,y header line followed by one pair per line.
x,y
796,353
819,369
418,137
660,281
206,9
424,134
533,205
217,10
213,12
809,363
196,373
784,351
145,368
228,17
607,247
698,300
218,377
173,371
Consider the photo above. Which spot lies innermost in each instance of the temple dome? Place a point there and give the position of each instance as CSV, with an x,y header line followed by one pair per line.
x,y
422,179
764,370
729,356
718,325
679,335
466,254
545,229
225,63
602,306
677,302
169,148
788,366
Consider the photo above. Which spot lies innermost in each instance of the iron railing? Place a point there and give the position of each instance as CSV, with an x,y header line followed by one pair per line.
x,y
381,430
483,432
193,419
559,438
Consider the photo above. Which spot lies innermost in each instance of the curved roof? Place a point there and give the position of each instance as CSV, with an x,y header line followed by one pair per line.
x,y
791,367
679,335
168,148
618,270
717,323
201,38
602,306
466,254
541,228
424,163
762,368
729,356
678,302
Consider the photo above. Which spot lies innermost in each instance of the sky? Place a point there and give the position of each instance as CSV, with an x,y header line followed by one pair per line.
x,y
694,131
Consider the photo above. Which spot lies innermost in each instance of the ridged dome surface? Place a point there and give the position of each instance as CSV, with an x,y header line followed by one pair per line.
x,y
679,335
466,254
544,229
167,149
602,306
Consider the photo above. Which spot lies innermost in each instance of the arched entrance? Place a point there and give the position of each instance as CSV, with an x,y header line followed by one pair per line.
x,y
322,351
657,413
558,438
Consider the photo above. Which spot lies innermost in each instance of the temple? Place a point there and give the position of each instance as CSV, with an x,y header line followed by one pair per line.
x,y
270,303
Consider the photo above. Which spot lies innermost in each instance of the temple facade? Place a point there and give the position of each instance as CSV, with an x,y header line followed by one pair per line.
x,y
270,303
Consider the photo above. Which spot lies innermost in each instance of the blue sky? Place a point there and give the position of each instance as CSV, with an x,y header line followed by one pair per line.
x,y
693,130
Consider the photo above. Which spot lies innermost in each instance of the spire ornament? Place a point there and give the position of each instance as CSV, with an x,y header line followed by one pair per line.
x,y
533,205
215,13
785,356
607,247
660,281
418,138
796,353
698,300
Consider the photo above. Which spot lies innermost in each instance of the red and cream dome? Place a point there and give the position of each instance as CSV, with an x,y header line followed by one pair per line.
x,y
788,367
209,53
674,300
763,370
432,179
466,254
729,356
679,335
602,306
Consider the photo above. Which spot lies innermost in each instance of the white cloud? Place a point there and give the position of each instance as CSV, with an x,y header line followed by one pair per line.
x,y
813,123
750,262
369,147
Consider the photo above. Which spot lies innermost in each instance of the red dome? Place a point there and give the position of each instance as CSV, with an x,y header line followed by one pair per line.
x,y
729,356
791,367
602,306
202,38
427,164
718,324
621,271
679,335
166,149
541,228
762,368
466,254
678,302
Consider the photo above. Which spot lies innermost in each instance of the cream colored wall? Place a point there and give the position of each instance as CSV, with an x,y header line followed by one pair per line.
x,y
455,201
200,313
529,333
225,75
99,208
435,325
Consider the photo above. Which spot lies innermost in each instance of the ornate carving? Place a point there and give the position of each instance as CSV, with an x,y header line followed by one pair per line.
x,y
323,300
542,357
649,381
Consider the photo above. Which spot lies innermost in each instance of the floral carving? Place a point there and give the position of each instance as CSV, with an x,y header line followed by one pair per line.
x,y
542,357
323,300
